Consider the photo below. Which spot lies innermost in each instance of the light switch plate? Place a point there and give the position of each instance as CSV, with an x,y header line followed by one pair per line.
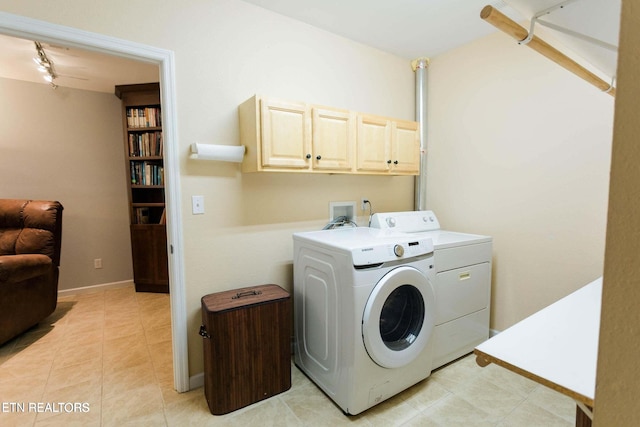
x,y
197,205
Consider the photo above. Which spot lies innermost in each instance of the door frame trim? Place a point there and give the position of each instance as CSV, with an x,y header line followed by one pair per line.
x,y
28,28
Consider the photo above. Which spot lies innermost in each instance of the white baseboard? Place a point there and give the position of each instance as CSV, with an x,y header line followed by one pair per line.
x,y
196,381
95,288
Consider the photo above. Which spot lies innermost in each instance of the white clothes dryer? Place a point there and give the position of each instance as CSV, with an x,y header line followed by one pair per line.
x,y
364,312
462,281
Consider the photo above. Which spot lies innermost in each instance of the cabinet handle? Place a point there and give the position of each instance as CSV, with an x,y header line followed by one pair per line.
x,y
318,157
388,162
395,162
308,156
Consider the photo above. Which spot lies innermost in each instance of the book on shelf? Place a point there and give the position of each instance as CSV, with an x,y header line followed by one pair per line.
x,y
145,144
143,117
146,173
144,215
141,216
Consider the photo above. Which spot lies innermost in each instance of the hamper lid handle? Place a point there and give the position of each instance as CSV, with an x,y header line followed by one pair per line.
x,y
246,294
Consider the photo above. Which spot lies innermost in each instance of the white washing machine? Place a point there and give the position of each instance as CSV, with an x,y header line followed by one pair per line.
x,y
462,281
364,310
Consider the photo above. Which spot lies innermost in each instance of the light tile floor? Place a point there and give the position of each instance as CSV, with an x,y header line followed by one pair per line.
x,y
109,353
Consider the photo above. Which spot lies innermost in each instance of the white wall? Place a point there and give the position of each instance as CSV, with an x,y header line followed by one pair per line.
x,y
226,51
66,145
519,149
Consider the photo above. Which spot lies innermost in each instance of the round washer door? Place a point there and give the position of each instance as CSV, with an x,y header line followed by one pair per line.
x,y
399,317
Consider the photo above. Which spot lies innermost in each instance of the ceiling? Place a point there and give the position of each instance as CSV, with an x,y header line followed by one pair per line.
x,y
598,19
76,68
406,28
418,28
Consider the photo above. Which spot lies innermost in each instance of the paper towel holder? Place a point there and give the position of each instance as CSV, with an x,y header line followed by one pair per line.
x,y
224,153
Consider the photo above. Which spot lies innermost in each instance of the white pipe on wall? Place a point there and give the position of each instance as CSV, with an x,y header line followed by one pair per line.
x,y
420,66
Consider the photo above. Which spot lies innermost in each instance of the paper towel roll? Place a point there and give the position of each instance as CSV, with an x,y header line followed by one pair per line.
x,y
225,153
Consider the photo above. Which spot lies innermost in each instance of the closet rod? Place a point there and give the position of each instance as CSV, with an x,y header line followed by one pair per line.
x,y
508,26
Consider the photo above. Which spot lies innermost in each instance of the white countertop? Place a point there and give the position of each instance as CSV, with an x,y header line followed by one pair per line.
x,y
557,346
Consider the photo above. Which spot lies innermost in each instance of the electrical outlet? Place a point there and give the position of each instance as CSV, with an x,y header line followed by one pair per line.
x,y
97,263
363,204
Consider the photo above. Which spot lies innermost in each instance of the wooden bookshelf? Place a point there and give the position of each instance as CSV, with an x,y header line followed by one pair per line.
x,y
144,161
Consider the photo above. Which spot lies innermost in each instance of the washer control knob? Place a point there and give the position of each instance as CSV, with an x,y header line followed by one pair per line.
x,y
398,250
391,222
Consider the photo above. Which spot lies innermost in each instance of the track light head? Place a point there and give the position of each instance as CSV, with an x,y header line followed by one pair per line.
x,y
45,65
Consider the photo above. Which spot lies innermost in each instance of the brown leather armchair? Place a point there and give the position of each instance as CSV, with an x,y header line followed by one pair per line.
x,y
30,239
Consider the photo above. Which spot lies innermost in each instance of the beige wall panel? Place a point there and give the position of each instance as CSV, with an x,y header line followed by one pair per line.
x,y
519,149
66,145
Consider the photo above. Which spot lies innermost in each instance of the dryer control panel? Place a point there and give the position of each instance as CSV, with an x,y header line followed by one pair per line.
x,y
368,246
377,252
406,222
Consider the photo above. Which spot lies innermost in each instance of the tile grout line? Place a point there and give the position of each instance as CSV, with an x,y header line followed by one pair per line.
x,y
56,353
104,320
153,366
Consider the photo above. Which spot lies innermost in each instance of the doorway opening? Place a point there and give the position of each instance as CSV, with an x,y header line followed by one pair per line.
x,y
32,29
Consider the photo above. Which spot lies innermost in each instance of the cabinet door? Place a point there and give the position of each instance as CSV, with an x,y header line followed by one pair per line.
x,y
334,134
405,147
286,134
150,261
143,254
374,143
162,257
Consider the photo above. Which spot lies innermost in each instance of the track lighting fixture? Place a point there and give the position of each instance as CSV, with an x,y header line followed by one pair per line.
x,y
45,65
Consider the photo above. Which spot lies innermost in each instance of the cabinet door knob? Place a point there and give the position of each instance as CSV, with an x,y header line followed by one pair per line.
x,y
395,162
308,156
388,162
318,157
